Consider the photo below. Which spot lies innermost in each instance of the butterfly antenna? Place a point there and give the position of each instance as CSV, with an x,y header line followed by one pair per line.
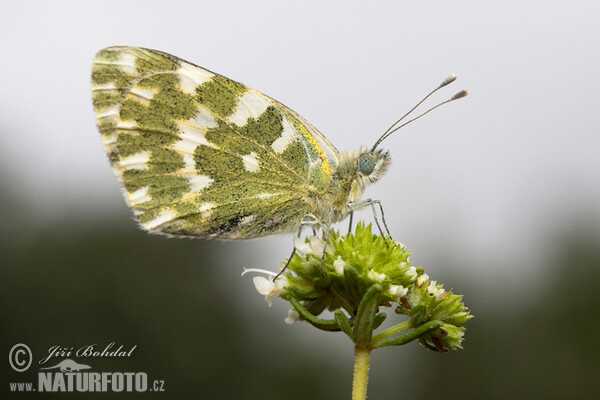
x,y
457,96
451,78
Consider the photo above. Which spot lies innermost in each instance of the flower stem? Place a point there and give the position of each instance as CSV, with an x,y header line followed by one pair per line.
x,y
361,372
394,330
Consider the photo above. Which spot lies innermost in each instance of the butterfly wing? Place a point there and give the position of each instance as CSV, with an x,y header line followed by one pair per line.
x,y
198,154
329,150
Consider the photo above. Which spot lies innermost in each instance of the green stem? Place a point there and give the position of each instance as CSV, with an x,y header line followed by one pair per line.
x,y
361,372
412,335
394,330
324,324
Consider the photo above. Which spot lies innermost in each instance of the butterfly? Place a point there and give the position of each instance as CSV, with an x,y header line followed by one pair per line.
x,y
198,154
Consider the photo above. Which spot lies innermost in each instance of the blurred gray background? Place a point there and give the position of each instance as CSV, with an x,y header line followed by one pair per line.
x,y
497,195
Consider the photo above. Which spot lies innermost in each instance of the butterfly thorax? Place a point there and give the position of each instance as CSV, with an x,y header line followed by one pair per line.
x,y
348,182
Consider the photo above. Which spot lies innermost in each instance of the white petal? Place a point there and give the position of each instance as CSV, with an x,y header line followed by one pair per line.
x,y
263,285
434,291
258,270
339,265
301,246
397,290
422,279
292,317
412,272
317,246
375,276
280,284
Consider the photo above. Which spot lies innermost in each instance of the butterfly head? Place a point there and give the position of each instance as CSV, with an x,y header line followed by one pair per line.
x,y
371,165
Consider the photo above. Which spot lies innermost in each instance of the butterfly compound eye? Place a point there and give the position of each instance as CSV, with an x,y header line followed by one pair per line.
x,y
366,163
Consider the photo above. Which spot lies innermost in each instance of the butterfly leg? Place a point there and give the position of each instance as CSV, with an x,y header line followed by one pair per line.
x,y
286,264
350,225
383,219
327,231
325,228
291,255
370,202
302,224
325,239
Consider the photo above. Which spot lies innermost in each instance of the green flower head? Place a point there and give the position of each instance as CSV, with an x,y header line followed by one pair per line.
x,y
352,264
356,277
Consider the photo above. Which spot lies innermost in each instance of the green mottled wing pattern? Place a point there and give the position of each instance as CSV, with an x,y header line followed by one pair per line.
x,y
198,154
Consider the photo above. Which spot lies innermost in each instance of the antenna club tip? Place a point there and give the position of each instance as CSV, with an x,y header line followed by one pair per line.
x,y
460,94
451,78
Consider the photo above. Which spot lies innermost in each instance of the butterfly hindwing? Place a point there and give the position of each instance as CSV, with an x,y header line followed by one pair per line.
x,y
199,154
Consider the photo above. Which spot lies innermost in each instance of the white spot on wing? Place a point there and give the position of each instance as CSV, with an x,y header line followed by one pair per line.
x,y
126,124
190,139
190,163
127,63
287,136
163,217
206,209
140,196
247,220
105,86
190,77
109,112
250,105
191,136
110,141
199,182
143,95
251,162
204,118
265,195
136,161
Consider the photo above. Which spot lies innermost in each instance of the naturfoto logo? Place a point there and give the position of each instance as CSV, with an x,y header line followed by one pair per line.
x,y
61,374
70,379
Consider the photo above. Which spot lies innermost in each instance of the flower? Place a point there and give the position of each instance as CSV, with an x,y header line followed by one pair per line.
x,y
397,290
326,277
267,287
435,291
355,277
301,246
376,277
339,265
412,272
422,279
314,247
